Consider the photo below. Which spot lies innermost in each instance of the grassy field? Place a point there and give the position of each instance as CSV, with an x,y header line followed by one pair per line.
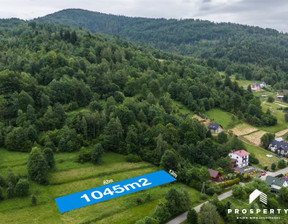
x,y
261,156
243,129
255,137
281,124
70,177
221,117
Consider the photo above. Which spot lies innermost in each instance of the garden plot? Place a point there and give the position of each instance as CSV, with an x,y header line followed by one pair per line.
x,y
255,137
281,133
243,129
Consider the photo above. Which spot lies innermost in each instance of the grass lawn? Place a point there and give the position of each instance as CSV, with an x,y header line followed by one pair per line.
x,y
224,118
69,177
261,156
281,124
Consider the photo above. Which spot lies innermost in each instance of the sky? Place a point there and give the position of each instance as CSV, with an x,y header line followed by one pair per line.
x,y
263,13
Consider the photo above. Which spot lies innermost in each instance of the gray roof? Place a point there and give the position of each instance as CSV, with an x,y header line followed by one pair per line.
x,y
279,145
274,180
213,126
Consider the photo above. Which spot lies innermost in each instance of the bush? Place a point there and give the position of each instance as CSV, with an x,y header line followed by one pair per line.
x,y
270,99
33,199
1,194
204,197
162,213
22,188
84,155
273,166
10,192
253,159
132,158
192,216
2,182
281,164
139,201
96,153
229,182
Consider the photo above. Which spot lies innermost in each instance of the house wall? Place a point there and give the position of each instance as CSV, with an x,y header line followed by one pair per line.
x,y
240,163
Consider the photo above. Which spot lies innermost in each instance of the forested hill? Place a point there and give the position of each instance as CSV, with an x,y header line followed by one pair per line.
x,y
63,88
238,43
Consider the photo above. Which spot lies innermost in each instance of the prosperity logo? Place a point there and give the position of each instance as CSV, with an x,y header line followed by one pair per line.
x,y
255,194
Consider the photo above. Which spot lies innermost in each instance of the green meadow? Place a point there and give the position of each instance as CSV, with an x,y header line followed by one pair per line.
x,y
70,177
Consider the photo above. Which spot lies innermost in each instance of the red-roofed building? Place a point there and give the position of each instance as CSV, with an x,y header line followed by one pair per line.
x,y
239,158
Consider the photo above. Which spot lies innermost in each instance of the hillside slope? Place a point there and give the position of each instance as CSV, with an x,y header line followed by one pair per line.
x,y
188,37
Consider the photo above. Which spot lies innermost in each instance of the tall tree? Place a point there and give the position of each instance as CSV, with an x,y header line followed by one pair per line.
x,y
209,214
37,167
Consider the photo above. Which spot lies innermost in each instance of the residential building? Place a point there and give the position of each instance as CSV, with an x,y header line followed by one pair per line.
x,y
278,147
215,128
275,183
239,158
279,139
262,85
215,175
255,87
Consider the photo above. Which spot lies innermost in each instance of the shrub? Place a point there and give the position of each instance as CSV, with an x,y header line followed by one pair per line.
x,y
1,194
253,159
2,182
22,188
192,217
270,99
273,166
229,182
10,191
132,158
281,164
204,196
33,199
84,155
96,153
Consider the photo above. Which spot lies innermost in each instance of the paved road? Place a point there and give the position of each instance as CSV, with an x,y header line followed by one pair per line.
x,y
182,217
274,174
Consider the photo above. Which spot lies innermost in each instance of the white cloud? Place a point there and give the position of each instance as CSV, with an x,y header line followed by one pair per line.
x,y
264,13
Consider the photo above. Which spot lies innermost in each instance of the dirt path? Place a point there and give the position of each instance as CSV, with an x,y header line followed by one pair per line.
x,y
282,105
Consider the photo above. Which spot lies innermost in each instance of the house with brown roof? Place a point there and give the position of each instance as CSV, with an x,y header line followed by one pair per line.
x,y
215,175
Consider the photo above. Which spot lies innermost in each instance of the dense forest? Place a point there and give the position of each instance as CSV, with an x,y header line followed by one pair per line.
x,y
63,88
247,52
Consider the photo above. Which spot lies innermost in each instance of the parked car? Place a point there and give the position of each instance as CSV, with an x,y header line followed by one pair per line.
x,y
263,174
258,176
278,156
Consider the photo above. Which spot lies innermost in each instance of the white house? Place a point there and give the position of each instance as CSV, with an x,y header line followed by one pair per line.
x,y
240,158
262,84
215,128
278,147
279,139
